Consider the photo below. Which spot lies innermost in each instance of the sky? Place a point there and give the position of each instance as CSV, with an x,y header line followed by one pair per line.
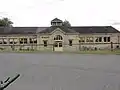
x,y
37,13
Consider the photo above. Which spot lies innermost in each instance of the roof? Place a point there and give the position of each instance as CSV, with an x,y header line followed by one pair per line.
x,y
85,29
52,28
21,30
56,20
95,29
74,29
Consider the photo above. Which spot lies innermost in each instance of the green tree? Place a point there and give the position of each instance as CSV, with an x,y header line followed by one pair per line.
x,y
5,22
66,23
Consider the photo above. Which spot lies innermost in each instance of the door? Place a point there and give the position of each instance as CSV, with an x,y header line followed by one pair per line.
x,y
58,46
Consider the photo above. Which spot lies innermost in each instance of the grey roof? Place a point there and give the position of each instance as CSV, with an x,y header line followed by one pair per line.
x,y
65,29
39,29
85,29
95,29
21,30
4,30
74,29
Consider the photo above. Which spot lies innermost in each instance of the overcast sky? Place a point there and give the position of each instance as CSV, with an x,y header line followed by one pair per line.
x,y
78,12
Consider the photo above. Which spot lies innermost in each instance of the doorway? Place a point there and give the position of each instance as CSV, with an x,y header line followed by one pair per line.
x,y
58,46
58,43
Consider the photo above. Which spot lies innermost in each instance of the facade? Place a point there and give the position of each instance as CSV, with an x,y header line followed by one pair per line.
x,y
59,37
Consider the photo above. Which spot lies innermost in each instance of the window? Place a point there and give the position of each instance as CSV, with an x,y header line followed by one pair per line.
x,y
45,43
4,41
31,41
56,44
21,40
70,42
11,41
89,39
106,39
58,37
25,40
35,41
98,39
82,39
60,44
15,41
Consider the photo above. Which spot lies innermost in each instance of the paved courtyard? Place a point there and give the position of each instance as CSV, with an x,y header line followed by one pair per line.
x,y
50,71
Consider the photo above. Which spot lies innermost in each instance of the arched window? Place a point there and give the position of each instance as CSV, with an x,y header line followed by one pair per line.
x,y
58,37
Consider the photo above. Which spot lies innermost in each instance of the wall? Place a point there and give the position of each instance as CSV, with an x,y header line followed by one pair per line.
x,y
91,45
75,43
115,38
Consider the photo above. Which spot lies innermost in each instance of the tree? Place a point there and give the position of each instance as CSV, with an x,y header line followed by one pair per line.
x,y
5,22
66,23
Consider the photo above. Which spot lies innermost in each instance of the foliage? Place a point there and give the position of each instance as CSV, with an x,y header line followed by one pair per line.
x,y
66,23
5,22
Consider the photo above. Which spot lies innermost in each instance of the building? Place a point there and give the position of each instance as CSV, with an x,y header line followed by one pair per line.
x,y
58,37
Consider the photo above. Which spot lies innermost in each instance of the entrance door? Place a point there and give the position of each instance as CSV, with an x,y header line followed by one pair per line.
x,y
58,46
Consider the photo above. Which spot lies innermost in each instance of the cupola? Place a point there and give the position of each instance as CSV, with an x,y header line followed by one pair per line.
x,y
56,22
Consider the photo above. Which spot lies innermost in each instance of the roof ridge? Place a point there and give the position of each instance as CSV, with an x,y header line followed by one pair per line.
x,y
90,26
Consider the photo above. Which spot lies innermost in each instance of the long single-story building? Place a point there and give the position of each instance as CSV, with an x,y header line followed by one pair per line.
x,y
58,37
